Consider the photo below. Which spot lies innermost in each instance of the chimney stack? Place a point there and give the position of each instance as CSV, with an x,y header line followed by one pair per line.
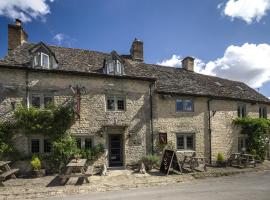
x,y
136,50
16,35
188,63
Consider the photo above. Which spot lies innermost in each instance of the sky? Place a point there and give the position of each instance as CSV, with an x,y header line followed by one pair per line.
x,y
227,38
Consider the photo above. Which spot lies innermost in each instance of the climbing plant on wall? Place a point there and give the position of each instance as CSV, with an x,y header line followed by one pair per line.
x,y
257,131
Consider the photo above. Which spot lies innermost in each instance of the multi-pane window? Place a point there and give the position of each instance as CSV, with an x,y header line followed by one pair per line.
x,y
114,67
185,141
115,103
35,146
88,143
184,105
44,60
84,142
263,112
241,110
242,144
47,146
41,100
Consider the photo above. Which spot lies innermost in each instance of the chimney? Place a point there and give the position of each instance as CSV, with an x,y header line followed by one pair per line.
x,y
188,63
16,35
136,50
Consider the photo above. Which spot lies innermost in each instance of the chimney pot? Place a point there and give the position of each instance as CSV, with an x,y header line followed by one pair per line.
x,y
18,22
136,50
188,63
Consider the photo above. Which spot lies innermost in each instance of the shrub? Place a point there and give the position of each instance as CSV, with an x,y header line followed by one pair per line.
x,y
93,153
36,163
151,161
220,158
160,147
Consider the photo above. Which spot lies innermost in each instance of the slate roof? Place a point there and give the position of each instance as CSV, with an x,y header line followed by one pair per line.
x,y
168,80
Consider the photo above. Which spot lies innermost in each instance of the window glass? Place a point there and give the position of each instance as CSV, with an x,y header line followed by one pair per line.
x,y
36,101
47,146
79,143
118,67
241,110
184,105
88,143
48,100
35,146
242,144
35,62
44,60
110,103
120,104
263,112
180,142
190,142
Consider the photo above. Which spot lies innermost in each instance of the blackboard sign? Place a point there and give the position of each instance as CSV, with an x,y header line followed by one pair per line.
x,y
169,160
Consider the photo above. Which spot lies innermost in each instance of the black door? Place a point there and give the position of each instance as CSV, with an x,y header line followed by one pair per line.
x,y
115,150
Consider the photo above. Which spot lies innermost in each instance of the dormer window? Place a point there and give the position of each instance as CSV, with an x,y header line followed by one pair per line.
x,y
45,60
114,67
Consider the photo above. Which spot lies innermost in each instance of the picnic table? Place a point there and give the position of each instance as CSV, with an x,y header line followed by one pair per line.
x,y
242,160
194,162
6,171
76,168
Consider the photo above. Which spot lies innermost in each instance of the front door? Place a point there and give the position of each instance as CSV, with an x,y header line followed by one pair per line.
x,y
115,150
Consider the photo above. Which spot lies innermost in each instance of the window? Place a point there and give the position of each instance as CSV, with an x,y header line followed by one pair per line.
x,y
79,143
241,110
84,142
242,144
114,67
184,105
115,103
41,100
44,60
35,61
35,145
88,143
47,146
185,141
263,112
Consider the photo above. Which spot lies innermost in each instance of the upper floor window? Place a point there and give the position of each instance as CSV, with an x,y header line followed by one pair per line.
x,y
241,110
263,112
41,100
114,66
116,103
45,60
184,105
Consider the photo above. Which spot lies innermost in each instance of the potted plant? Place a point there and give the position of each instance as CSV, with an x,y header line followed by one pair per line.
x,y
36,165
220,160
150,161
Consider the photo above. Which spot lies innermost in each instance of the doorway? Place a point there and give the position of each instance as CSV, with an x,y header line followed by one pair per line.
x,y
115,150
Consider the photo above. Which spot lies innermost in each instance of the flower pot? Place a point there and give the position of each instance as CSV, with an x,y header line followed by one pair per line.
x,y
37,173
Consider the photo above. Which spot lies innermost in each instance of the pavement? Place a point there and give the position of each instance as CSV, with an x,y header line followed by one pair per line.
x,y
248,186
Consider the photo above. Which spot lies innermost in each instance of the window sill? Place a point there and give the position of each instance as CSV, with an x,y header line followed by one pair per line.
x,y
185,151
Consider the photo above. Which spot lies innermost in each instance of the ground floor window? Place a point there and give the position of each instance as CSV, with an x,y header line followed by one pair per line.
x,y
242,144
185,141
84,142
40,145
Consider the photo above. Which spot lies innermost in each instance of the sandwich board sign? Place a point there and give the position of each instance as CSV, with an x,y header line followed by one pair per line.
x,y
170,162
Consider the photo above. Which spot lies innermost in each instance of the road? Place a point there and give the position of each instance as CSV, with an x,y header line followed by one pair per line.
x,y
255,186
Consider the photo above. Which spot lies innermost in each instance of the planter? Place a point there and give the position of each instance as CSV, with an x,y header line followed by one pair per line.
x,y
38,173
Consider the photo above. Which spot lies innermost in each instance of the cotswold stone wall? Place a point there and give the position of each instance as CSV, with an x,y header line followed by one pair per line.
x,y
95,121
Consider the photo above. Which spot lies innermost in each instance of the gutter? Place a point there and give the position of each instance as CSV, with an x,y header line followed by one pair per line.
x,y
209,130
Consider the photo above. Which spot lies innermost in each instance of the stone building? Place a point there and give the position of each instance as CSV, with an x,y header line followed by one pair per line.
x,y
124,103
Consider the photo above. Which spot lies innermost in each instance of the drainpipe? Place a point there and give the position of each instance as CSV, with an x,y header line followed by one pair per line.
x,y
151,118
209,130
27,88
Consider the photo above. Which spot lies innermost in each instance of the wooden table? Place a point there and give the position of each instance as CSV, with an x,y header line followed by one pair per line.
x,y
75,168
194,162
242,160
6,171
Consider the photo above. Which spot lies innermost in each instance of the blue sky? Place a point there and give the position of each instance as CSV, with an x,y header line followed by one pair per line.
x,y
217,33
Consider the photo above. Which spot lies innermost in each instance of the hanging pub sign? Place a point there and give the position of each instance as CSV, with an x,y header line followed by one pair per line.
x,y
170,162
162,138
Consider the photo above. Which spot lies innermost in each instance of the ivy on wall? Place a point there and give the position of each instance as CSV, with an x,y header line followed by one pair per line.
x,y
257,131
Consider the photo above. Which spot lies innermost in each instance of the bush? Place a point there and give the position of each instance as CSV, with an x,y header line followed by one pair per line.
x,y
93,153
160,147
63,149
220,158
150,161
36,163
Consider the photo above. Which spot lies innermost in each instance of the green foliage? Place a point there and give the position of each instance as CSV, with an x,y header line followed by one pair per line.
x,y
257,131
220,158
6,133
93,153
52,122
161,147
36,163
151,161
63,149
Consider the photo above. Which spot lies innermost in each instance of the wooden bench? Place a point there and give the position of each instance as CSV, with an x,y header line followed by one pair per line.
x,y
242,160
4,175
6,171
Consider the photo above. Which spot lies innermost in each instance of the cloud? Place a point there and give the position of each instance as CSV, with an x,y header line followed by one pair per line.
x,y
247,10
63,39
248,63
25,10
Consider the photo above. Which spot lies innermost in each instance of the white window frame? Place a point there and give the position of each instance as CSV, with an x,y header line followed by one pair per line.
x,y
115,98
242,106
41,98
41,61
41,139
183,100
185,135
